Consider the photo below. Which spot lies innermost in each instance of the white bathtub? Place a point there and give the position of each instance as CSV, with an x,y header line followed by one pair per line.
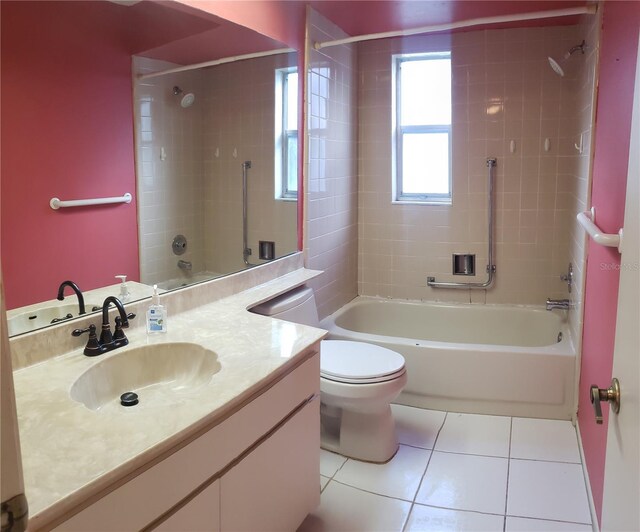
x,y
485,359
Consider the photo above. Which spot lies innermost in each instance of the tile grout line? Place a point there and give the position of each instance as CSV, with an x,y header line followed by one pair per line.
x,y
506,495
335,472
413,502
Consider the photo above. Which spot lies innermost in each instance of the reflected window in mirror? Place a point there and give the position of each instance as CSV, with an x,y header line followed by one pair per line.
x,y
286,130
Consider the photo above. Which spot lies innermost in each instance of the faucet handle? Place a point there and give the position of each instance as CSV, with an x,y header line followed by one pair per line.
x,y
118,333
93,346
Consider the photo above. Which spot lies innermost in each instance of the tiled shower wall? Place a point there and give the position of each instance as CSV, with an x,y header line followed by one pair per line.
x,y
239,123
331,233
503,89
170,181
196,190
576,173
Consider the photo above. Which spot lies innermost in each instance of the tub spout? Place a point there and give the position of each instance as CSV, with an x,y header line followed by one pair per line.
x,y
563,304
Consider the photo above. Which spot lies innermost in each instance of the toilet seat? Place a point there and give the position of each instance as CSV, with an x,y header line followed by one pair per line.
x,y
359,363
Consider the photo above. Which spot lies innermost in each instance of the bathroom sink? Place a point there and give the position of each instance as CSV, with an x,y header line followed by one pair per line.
x,y
160,374
41,317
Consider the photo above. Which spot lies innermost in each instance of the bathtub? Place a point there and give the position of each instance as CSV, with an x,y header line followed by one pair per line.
x,y
484,359
186,280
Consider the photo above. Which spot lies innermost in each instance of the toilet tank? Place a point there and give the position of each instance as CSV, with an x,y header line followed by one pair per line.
x,y
297,305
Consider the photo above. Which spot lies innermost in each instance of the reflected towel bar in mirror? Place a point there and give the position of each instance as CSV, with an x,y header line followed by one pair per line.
x,y
57,203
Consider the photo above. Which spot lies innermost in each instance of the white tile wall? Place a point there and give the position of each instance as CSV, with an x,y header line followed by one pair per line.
x,y
169,190
331,215
503,90
239,124
197,189
577,167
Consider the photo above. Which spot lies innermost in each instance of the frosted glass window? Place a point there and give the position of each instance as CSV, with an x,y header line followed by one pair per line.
x,y
292,101
286,106
426,92
422,133
425,163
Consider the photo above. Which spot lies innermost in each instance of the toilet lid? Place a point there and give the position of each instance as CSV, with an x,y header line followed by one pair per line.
x,y
358,361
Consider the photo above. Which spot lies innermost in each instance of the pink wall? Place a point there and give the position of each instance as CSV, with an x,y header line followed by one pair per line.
x,y
67,132
619,41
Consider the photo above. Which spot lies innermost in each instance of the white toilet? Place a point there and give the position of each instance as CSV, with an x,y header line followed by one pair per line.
x,y
358,381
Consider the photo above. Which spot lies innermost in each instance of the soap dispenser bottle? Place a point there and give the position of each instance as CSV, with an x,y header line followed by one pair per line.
x,y
156,314
124,295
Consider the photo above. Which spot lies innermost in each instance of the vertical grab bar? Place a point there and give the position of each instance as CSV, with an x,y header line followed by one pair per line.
x,y
491,267
246,250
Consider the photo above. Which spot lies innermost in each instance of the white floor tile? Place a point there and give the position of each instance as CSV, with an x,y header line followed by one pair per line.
x,y
475,434
323,482
345,508
547,490
544,439
428,519
520,524
330,463
465,482
400,477
417,426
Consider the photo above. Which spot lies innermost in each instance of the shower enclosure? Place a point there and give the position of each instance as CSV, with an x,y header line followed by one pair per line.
x,y
196,132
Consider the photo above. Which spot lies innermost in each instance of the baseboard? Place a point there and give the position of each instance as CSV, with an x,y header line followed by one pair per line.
x,y
592,507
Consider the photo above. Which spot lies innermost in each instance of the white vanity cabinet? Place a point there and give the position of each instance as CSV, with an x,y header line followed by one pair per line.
x,y
256,469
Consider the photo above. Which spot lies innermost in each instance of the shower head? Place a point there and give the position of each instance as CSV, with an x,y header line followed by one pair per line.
x,y
186,100
557,65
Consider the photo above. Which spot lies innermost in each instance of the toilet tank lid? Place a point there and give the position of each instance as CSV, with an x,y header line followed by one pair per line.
x,y
284,302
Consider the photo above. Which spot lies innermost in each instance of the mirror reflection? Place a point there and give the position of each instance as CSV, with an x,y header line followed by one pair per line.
x,y
217,167
71,130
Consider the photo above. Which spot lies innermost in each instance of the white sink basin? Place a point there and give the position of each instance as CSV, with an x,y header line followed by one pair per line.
x,y
160,374
41,317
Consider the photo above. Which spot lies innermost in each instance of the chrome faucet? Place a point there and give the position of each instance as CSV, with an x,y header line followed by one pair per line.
x,y
185,265
563,304
78,292
107,341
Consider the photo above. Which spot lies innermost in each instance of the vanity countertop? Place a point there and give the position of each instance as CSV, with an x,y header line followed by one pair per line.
x,y
70,452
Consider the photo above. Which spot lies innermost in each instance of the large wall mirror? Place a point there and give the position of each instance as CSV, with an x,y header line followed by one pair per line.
x,y
209,155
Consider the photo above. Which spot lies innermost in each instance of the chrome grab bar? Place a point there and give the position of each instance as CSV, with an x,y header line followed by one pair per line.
x,y
491,267
246,250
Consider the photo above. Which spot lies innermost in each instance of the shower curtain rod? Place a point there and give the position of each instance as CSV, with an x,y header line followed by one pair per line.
x,y
215,62
586,10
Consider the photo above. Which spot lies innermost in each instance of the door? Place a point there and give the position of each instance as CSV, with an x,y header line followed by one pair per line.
x,y
14,504
620,509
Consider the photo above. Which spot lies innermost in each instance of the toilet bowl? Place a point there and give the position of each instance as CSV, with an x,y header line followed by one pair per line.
x,y
358,381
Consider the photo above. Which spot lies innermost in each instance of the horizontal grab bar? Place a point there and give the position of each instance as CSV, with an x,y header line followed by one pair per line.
x,y
587,221
57,203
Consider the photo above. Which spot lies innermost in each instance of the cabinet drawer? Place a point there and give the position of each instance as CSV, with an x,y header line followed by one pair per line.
x,y
275,486
200,513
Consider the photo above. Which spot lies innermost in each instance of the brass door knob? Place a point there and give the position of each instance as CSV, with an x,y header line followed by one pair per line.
x,y
610,394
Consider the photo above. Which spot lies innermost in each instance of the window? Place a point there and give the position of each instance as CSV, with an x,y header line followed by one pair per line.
x,y
286,159
422,128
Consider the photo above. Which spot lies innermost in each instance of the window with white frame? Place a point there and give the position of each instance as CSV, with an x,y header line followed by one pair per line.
x,y
286,156
422,128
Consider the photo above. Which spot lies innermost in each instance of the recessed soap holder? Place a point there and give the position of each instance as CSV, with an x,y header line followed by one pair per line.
x,y
463,264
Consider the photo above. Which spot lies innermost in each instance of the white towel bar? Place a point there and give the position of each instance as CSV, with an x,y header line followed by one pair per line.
x,y
587,221
56,203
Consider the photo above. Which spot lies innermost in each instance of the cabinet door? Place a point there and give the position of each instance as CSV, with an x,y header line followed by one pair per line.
x,y
276,485
201,513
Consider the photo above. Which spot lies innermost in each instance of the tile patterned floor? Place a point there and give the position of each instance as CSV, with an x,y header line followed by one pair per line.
x,y
459,472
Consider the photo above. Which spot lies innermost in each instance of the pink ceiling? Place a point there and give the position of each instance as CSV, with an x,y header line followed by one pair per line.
x,y
360,17
193,31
